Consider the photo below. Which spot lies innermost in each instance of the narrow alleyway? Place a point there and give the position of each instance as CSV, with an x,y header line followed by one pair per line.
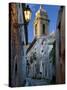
x,y
35,82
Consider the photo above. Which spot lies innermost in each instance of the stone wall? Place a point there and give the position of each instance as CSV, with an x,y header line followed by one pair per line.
x,y
60,47
16,49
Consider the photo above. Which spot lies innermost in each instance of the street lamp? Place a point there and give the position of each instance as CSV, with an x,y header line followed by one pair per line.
x,y
27,14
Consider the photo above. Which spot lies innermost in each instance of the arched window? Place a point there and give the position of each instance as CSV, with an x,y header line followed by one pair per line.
x,y
35,29
16,69
43,28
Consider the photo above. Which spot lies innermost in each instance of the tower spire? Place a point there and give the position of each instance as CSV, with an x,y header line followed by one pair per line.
x,y
41,22
41,6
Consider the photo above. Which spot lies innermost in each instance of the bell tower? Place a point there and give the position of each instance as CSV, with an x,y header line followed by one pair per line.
x,y
41,23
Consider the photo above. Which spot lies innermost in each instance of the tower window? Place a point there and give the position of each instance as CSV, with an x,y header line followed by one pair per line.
x,y
16,68
43,28
42,51
36,29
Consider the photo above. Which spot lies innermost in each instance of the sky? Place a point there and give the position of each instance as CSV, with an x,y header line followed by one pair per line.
x,y
52,11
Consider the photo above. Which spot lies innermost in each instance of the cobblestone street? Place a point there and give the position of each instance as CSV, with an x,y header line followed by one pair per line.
x,y
35,82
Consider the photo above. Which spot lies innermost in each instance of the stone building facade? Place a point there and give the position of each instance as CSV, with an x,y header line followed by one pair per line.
x,y
38,53
16,46
60,46
38,56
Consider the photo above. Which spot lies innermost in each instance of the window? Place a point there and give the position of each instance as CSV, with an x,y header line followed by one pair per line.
x,y
16,68
42,41
42,51
46,71
43,28
35,29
